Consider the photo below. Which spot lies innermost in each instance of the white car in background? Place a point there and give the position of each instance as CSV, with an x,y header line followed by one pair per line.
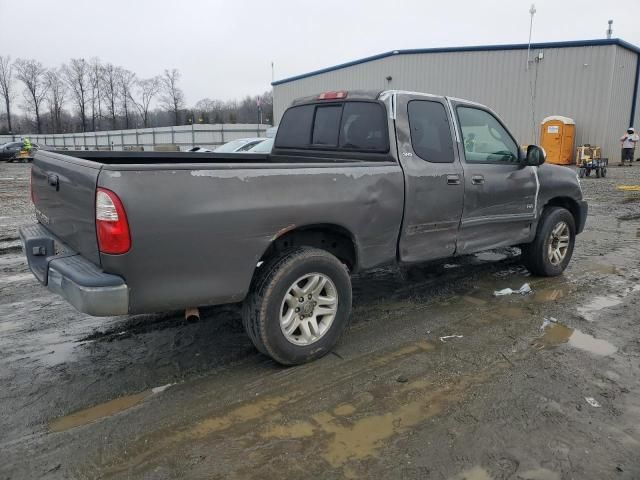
x,y
200,150
262,147
239,145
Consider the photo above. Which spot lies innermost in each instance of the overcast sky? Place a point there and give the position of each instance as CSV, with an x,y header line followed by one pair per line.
x,y
224,49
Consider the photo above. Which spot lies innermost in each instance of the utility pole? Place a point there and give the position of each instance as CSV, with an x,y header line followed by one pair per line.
x,y
532,12
272,72
610,30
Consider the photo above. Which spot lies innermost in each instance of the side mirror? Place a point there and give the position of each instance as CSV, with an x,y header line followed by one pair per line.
x,y
535,156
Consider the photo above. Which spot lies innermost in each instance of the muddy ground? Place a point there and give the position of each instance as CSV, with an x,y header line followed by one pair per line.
x,y
436,378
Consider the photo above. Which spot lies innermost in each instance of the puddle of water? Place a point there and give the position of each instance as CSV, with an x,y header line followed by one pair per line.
x,y
589,310
9,325
548,294
97,412
107,409
291,430
556,334
59,353
475,473
344,410
604,269
244,413
539,474
17,278
348,440
490,256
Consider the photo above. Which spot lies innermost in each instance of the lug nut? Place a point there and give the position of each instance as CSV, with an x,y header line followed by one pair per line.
x,y
301,317
301,299
310,296
297,309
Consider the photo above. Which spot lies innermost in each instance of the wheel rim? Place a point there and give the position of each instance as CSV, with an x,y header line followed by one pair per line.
x,y
308,309
559,241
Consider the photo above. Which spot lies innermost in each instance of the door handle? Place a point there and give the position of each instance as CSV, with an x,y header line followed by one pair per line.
x,y
477,180
453,179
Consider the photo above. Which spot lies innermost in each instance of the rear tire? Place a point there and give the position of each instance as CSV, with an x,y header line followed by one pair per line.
x,y
299,305
550,252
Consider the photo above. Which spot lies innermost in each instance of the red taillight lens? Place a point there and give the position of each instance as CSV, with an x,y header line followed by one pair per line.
x,y
112,227
332,95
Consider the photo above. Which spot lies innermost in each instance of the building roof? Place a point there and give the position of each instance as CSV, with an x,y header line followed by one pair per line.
x,y
475,48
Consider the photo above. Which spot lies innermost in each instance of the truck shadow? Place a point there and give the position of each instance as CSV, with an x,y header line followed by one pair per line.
x,y
420,283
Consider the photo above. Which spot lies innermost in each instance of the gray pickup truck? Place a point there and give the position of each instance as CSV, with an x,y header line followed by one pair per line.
x,y
355,180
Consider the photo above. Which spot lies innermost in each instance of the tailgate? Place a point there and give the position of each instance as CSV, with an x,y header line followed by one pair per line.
x,y
64,191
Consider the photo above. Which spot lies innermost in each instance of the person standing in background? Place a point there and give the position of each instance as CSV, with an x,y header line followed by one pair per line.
x,y
628,141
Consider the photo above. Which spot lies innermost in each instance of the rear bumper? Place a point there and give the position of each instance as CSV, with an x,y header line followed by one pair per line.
x,y
68,274
583,209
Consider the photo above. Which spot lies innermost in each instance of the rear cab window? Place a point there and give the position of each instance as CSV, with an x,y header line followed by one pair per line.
x,y
339,126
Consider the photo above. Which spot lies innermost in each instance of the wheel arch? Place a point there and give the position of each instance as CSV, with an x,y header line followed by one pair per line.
x,y
567,203
332,238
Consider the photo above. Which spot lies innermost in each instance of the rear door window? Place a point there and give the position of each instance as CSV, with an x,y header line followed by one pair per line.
x,y
364,127
430,132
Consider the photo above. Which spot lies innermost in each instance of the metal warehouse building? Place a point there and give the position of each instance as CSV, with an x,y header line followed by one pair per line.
x,y
595,82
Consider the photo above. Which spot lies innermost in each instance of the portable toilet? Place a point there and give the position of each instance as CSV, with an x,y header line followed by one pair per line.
x,y
556,137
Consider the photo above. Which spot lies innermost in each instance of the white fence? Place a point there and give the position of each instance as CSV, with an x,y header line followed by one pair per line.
x,y
185,136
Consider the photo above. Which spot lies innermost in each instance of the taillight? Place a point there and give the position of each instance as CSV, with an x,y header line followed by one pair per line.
x,y
112,227
332,95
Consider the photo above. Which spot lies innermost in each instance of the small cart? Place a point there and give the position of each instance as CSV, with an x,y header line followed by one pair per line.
x,y
599,165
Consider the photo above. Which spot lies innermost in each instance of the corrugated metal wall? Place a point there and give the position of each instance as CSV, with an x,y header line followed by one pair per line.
x,y
620,97
591,84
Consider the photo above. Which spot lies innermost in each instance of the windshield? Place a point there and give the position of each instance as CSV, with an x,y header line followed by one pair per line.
x,y
232,146
262,147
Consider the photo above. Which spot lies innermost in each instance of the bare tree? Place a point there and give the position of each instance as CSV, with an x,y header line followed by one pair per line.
x,y
77,76
173,96
33,74
6,85
110,90
146,90
126,80
57,89
95,83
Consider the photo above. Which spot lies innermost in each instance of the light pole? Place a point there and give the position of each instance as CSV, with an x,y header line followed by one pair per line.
x,y
532,12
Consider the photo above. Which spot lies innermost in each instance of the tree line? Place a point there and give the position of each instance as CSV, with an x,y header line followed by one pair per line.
x,y
91,95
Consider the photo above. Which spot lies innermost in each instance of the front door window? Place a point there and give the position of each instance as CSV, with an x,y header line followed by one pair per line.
x,y
485,139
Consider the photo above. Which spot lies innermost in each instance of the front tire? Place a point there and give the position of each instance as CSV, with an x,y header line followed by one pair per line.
x,y
550,252
299,305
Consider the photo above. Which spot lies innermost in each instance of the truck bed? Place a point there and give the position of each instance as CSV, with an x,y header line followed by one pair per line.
x,y
200,223
163,158
147,158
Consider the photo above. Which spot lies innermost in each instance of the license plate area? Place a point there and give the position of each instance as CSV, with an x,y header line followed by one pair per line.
x,y
39,252
40,247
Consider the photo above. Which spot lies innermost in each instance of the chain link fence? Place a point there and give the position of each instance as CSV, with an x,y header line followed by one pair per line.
x,y
159,138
